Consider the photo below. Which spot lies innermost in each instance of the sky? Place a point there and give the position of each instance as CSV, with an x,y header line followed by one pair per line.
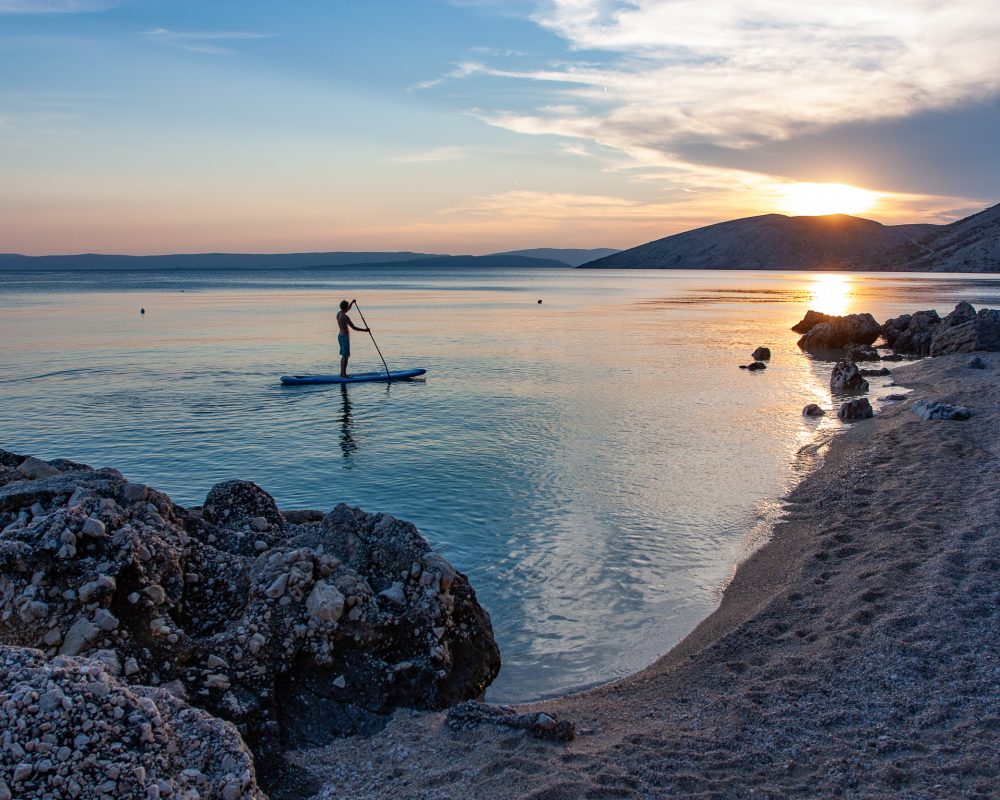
x,y
477,126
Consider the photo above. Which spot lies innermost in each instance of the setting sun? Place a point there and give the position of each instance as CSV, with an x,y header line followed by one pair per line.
x,y
816,199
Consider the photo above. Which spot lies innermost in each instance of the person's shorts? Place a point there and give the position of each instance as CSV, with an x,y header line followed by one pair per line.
x,y
345,344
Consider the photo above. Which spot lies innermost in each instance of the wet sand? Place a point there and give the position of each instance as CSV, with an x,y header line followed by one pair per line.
x,y
857,654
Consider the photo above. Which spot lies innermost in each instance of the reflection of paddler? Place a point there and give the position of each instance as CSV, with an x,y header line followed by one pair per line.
x,y
344,337
347,444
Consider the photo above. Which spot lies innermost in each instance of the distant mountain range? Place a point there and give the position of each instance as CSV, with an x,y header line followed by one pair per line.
x,y
546,257
836,241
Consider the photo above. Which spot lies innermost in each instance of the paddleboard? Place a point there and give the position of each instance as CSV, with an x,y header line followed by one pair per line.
x,y
360,377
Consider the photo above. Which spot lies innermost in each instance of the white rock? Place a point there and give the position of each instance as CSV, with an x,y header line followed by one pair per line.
x,y
277,587
80,633
325,602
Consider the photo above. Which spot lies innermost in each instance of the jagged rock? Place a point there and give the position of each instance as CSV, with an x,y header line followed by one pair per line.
x,y
846,377
858,408
875,373
912,333
813,410
934,409
810,321
246,514
186,594
841,332
863,352
538,724
982,332
69,728
761,354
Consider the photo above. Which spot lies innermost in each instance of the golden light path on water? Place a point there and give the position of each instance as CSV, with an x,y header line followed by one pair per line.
x,y
832,293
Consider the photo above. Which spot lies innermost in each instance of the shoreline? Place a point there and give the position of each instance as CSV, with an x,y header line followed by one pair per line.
x,y
852,654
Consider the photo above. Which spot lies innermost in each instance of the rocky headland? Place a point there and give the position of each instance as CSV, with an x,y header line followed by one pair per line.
x,y
151,648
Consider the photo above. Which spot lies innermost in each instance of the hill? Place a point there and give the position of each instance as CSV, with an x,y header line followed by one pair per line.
x,y
93,261
256,261
570,256
968,245
772,241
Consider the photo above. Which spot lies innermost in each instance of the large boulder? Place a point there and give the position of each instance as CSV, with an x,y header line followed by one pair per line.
x,y
326,628
846,378
839,333
70,728
857,409
982,332
810,321
912,333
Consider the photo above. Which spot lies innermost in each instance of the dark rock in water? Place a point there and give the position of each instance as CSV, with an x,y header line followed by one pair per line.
x,y
875,373
858,408
894,357
813,410
756,366
841,332
863,352
982,332
322,630
894,398
810,321
977,363
538,724
934,409
846,377
962,313
72,728
761,354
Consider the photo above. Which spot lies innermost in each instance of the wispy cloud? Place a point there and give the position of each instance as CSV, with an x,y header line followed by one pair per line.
x,y
211,42
431,156
734,73
54,6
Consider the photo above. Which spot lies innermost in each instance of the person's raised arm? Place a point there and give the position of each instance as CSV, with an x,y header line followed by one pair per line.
x,y
362,330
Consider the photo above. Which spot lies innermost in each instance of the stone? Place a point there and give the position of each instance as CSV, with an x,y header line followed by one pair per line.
x,y
35,469
813,410
538,724
96,590
875,373
92,527
78,637
912,333
761,354
856,409
841,332
977,363
756,366
863,352
325,602
810,321
846,378
935,409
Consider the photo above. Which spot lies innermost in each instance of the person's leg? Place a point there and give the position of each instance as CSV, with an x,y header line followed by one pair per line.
x,y
343,366
345,353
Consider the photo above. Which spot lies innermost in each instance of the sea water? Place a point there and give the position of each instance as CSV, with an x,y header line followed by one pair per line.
x,y
596,462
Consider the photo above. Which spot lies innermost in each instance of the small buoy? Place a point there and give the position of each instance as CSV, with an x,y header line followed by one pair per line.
x,y
142,311
539,302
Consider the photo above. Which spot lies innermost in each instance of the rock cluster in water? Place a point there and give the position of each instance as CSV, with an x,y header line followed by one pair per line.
x,y
294,627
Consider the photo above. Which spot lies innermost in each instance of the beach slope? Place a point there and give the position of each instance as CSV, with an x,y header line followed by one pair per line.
x,y
854,655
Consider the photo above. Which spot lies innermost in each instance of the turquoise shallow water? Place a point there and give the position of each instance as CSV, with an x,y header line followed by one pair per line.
x,y
596,464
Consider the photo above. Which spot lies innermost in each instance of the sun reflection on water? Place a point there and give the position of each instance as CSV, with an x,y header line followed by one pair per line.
x,y
832,293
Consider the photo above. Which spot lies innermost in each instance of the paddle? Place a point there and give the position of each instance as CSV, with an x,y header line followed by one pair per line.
x,y
387,373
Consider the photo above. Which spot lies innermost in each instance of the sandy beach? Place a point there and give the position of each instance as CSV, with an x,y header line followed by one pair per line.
x,y
854,655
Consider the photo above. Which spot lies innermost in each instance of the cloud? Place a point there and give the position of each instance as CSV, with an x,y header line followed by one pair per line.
x,y
662,79
54,6
211,42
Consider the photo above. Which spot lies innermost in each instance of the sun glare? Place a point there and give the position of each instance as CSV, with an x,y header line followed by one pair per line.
x,y
816,199
831,294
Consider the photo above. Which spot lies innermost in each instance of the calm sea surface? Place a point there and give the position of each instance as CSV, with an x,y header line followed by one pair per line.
x,y
595,463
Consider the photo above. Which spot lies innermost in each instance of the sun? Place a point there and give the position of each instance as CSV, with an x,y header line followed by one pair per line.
x,y
816,199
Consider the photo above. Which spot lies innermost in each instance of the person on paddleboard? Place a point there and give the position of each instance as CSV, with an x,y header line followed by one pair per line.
x,y
344,337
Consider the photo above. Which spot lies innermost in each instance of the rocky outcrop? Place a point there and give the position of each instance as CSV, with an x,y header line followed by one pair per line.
x,y
856,409
813,410
839,333
961,331
295,632
981,332
846,377
70,728
810,321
